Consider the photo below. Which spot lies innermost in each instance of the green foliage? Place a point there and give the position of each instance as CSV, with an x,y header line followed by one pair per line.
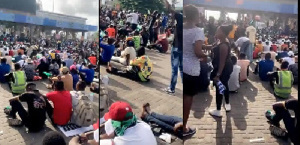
x,y
142,6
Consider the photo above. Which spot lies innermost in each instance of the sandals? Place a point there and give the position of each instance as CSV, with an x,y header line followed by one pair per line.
x,y
15,122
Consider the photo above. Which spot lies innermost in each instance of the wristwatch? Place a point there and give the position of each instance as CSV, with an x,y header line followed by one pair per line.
x,y
218,75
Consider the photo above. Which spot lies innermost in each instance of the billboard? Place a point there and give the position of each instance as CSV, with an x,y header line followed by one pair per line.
x,y
27,6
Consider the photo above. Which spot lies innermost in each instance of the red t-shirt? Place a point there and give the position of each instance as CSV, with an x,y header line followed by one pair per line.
x,y
111,32
274,48
11,53
93,60
62,106
164,44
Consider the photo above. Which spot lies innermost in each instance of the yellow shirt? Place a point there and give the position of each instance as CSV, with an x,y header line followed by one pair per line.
x,y
260,47
232,32
52,55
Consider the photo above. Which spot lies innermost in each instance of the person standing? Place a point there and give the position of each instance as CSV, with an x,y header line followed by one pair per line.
x,y
176,52
251,34
193,39
223,68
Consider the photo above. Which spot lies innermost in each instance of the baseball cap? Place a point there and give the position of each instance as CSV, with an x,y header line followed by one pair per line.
x,y
118,111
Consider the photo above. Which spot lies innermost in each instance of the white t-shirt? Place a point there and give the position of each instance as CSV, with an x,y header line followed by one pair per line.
x,y
134,18
234,82
252,33
266,47
191,61
129,50
140,134
240,41
289,60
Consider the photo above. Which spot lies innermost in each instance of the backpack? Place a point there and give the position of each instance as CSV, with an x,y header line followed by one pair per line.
x,y
83,113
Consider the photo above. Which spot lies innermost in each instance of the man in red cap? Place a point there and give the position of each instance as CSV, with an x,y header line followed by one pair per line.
x,y
123,127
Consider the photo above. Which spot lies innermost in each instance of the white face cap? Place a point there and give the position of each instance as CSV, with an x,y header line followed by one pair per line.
x,y
291,53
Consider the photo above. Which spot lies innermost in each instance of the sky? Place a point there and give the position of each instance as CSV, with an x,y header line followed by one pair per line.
x,y
81,8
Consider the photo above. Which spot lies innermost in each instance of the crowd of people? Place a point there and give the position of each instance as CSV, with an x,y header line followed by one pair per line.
x,y
125,37
68,68
221,53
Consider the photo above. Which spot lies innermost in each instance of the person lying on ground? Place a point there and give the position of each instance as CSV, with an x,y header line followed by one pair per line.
x,y
170,124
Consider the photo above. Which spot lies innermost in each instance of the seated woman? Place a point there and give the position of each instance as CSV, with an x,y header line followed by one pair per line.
x,y
170,124
127,55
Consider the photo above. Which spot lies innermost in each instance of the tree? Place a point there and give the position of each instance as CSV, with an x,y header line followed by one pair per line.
x,y
143,6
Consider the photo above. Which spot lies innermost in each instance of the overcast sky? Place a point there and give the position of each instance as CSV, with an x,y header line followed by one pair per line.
x,y
80,8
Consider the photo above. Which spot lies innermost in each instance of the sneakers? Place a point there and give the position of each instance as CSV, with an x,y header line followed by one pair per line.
x,y
227,107
169,91
216,113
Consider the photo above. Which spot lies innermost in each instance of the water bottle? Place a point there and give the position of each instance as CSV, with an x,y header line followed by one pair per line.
x,y
221,87
105,80
91,97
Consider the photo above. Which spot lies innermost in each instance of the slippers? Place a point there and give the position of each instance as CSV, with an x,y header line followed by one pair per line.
x,y
15,122
189,133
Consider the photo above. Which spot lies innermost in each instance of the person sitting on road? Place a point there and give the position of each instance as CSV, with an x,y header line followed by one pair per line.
x,y
17,80
107,51
263,67
244,64
54,68
290,59
66,77
281,81
61,111
161,44
4,69
294,69
89,74
127,55
234,80
93,59
29,69
123,128
34,118
291,124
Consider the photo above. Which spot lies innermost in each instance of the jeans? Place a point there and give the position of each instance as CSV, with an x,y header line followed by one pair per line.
x,y
250,52
165,122
176,62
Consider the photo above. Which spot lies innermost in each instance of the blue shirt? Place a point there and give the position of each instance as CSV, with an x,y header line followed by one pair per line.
x,y
75,79
264,67
4,69
89,74
69,62
108,52
17,58
164,21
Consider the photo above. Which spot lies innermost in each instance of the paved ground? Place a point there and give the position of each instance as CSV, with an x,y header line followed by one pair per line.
x,y
16,135
137,93
246,120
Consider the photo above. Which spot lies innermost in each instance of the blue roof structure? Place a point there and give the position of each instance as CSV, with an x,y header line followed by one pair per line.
x,y
19,18
254,5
